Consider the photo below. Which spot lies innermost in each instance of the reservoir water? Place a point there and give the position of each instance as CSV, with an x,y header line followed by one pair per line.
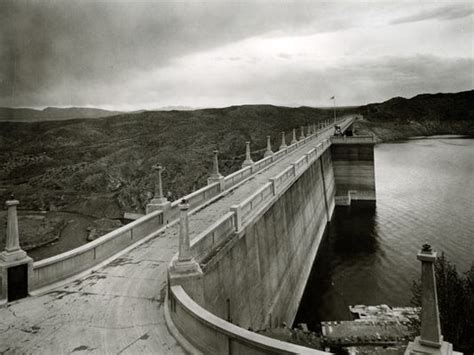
x,y
425,193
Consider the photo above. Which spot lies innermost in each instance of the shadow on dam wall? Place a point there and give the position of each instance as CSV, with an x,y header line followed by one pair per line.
x,y
349,240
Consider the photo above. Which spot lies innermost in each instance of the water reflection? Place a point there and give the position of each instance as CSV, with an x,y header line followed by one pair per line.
x,y
350,237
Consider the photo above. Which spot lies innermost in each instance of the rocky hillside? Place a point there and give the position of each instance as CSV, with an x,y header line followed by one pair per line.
x,y
102,167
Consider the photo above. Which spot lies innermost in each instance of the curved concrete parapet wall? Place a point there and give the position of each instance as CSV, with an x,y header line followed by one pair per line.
x,y
206,331
70,263
255,260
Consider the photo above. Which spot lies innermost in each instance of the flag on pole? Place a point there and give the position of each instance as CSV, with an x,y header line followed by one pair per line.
x,y
332,98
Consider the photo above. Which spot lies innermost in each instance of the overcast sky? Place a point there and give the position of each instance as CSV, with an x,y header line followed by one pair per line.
x,y
124,55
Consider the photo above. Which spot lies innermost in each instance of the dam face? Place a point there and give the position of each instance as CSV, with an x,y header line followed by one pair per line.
x,y
259,281
256,280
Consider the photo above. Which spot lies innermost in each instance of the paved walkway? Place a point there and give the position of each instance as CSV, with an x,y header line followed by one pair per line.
x,y
118,309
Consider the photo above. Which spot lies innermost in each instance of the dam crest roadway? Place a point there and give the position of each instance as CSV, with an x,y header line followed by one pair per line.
x,y
118,304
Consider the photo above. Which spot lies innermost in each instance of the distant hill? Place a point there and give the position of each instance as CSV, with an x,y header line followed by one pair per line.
x,y
51,114
102,166
426,114
425,107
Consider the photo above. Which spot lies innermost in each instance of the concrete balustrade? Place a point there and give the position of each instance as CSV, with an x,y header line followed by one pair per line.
x,y
69,264
212,334
73,262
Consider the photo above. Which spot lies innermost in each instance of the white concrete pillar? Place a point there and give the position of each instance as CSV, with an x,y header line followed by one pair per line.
x,y
13,256
268,152
294,140
430,326
216,175
308,130
283,143
248,158
302,133
13,238
158,183
159,201
215,166
430,340
184,242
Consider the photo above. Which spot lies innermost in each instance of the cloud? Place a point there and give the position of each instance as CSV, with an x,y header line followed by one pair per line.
x,y
152,54
445,13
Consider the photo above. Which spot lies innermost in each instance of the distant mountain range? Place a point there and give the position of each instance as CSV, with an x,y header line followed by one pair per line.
x,y
52,114
444,107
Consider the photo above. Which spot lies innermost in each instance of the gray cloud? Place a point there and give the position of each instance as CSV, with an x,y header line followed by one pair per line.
x,y
74,44
88,53
444,13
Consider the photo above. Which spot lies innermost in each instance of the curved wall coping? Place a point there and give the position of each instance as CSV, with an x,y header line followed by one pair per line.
x,y
235,332
95,243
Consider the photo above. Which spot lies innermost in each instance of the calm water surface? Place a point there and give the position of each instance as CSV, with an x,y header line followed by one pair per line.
x,y
425,192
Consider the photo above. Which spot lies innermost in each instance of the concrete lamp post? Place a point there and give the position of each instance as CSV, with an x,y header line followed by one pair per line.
x,y
216,175
15,265
268,152
430,340
283,143
294,140
302,133
159,201
248,158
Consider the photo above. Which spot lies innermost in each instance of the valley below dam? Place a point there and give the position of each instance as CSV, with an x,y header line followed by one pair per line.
x,y
425,193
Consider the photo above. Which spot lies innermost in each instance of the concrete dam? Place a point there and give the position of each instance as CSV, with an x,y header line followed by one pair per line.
x,y
199,274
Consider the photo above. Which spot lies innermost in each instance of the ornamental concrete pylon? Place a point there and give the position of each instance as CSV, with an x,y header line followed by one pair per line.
x,y
248,158
184,263
294,140
302,133
430,340
216,175
159,201
283,143
184,242
268,152
15,284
